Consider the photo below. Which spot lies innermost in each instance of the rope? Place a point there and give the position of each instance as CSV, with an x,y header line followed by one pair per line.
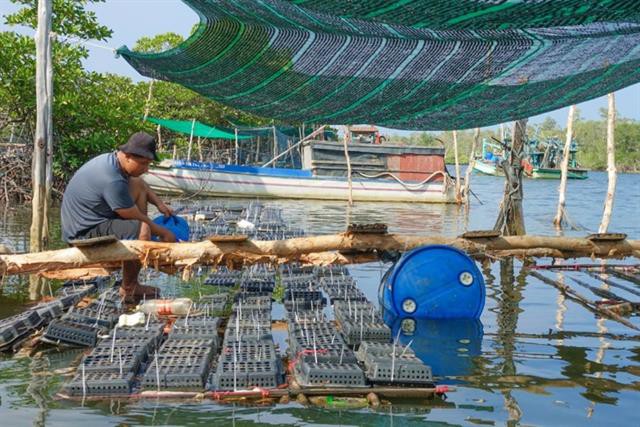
x,y
405,184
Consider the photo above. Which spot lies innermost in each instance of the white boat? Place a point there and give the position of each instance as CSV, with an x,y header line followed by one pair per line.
x,y
370,183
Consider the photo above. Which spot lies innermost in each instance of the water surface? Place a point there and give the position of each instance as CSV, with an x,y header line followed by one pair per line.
x,y
535,357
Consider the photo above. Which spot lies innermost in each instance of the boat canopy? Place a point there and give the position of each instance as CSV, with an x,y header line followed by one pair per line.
x,y
416,64
199,129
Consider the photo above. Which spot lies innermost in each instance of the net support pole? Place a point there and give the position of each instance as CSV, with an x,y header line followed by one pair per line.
x,y
200,149
345,140
472,161
159,132
297,144
43,120
193,125
564,170
611,165
457,166
275,142
235,142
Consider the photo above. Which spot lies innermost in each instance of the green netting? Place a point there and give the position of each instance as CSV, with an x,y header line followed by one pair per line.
x,y
423,64
199,129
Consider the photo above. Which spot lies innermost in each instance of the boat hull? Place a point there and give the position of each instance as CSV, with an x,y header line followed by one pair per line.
x,y
487,168
232,184
543,173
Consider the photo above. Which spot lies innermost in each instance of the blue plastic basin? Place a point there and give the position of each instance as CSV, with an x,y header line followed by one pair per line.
x,y
434,282
177,225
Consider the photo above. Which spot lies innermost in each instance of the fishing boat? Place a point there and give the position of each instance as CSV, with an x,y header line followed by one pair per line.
x,y
541,160
489,161
380,173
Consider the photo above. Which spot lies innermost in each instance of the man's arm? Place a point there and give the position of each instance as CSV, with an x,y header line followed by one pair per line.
x,y
134,213
153,198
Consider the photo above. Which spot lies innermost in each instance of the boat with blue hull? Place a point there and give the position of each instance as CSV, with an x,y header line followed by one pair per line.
x,y
379,173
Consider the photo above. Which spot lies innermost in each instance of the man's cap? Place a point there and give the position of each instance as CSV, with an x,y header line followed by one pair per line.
x,y
141,144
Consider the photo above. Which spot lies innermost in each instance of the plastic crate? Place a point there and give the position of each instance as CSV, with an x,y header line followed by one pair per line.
x,y
245,375
355,333
105,363
71,333
402,370
196,328
329,374
100,384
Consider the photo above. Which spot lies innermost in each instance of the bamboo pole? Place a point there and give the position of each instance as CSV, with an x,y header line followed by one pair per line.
x,y
38,166
457,166
611,165
193,125
199,142
585,302
472,161
347,135
355,248
297,144
236,145
258,150
49,163
158,130
275,142
564,170
147,106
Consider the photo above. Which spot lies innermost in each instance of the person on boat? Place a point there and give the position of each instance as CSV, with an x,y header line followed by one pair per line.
x,y
106,196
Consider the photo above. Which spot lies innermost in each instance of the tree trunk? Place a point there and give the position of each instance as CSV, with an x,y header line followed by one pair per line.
x,y
457,166
611,165
38,167
510,220
472,161
357,248
564,170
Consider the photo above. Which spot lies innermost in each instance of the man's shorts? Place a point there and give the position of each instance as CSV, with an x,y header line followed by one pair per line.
x,y
123,229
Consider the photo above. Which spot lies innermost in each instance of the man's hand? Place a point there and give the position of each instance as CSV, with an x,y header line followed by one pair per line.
x,y
164,209
166,235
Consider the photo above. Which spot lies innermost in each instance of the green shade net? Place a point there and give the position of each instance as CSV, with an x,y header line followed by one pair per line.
x,y
199,129
423,64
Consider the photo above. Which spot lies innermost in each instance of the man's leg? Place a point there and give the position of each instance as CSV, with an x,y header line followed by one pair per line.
x,y
139,193
131,269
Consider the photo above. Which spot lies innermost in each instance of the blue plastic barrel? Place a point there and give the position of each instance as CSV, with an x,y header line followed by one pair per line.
x,y
177,225
433,282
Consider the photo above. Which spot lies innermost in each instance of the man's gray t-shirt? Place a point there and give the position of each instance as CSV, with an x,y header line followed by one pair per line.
x,y
96,190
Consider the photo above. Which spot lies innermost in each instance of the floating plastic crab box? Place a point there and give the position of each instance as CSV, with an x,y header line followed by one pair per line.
x,y
433,282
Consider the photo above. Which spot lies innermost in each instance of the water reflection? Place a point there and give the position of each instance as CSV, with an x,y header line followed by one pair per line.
x,y
448,346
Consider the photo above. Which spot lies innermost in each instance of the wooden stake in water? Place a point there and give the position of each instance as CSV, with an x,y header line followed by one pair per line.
x,y
393,355
406,348
84,382
113,343
157,370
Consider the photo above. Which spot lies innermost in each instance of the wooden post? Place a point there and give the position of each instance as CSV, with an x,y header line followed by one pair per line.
x,y
564,169
510,221
258,150
347,135
611,165
193,125
200,149
38,166
175,150
472,161
147,106
49,155
236,145
502,132
457,166
275,143
158,130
